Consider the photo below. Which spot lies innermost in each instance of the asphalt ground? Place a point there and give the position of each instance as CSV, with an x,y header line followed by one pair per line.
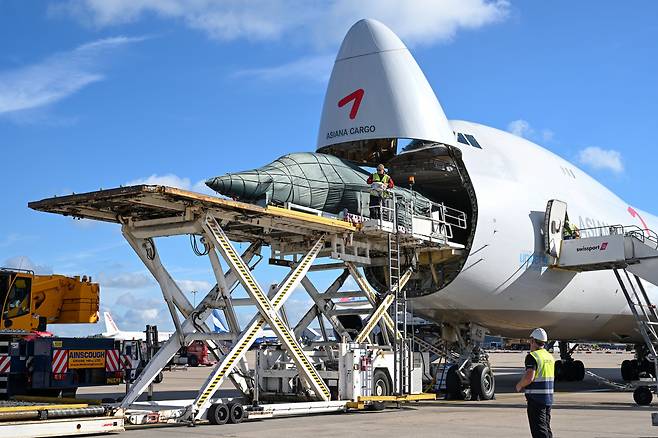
x,y
595,407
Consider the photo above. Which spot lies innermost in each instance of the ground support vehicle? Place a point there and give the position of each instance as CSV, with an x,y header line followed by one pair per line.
x,y
34,418
362,366
53,366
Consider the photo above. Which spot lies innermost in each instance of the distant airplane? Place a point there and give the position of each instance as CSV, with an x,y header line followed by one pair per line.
x,y
219,325
112,331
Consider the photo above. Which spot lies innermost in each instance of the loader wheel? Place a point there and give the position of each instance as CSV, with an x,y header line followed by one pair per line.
x,y
380,386
218,413
642,395
236,413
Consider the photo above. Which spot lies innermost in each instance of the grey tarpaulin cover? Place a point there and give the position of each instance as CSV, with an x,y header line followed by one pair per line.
x,y
314,180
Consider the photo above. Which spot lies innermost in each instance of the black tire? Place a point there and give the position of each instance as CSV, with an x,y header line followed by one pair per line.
x,y
159,378
626,370
236,413
578,370
218,413
568,371
483,383
192,361
380,386
559,370
642,395
648,368
454,385
634,370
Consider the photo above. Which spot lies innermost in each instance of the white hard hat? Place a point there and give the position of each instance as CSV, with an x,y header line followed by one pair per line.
x,y
539,334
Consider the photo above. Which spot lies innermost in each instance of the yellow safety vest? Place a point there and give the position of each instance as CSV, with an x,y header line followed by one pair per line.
x,y
380,179
541,389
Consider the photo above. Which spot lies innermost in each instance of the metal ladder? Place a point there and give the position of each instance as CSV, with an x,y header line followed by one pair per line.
x,y
644,312
402,378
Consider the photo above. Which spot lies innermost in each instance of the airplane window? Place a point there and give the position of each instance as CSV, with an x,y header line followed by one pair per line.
x,y
473,141
461,138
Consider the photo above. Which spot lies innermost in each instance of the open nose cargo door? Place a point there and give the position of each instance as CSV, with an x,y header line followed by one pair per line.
x,y
378,94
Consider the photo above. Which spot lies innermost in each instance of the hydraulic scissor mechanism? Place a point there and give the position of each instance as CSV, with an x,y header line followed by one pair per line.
x,y
363,351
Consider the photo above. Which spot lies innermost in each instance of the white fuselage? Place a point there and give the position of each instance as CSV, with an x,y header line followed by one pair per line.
x,y
498,286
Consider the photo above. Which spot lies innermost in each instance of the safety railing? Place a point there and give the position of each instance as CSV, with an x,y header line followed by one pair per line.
x,y
437,219
644,235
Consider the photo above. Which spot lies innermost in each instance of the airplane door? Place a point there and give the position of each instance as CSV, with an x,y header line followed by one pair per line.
x,y
556,213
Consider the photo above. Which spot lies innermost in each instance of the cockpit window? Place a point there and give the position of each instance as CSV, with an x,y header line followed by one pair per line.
x,y
473,141
468,139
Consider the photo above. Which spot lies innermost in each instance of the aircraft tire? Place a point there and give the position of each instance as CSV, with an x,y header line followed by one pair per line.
x,y
159,378
634,370
455,387
642,395
483,383
578,370
626,370
558,370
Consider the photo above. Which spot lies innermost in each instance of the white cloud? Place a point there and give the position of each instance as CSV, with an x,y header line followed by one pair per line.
x,y
24,262
162,180
314,68
189,285
520,128
138,302
601,159
57,76
318,25
172,180
547,135
322,24
124,280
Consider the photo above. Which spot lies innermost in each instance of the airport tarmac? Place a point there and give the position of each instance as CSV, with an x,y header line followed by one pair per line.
x,y
592,408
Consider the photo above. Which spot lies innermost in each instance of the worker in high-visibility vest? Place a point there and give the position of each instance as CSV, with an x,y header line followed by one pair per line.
x,y
570,231
537,381
381,185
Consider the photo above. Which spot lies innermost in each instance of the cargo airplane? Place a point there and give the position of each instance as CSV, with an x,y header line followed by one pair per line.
x,y
502,280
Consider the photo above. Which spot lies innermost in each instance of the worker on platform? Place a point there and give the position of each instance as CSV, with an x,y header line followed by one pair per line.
x,y
381,185
538,384
570,231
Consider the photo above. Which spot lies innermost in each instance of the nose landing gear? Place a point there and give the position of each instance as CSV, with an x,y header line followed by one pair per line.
x,y
566,368
470,377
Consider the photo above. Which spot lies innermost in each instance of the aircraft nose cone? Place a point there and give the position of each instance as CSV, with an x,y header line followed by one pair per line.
x,y
246,185
366,37
219,184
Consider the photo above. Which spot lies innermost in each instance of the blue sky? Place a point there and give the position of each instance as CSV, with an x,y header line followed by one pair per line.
x,y
97,94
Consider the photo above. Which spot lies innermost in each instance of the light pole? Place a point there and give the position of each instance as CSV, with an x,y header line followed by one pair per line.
x,y
194,297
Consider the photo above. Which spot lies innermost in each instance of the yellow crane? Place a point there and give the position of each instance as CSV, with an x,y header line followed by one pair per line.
x,y
30,302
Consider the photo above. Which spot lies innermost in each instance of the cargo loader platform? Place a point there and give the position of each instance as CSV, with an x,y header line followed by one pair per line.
x,y
329,375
